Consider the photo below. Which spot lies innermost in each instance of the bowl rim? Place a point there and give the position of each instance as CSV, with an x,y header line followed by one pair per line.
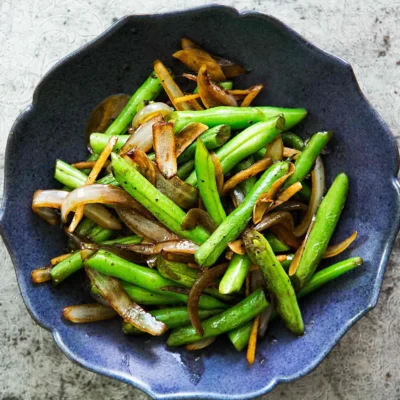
x,y
97,41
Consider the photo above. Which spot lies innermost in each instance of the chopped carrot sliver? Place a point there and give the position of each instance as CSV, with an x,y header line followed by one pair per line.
x,y
186,98
251,349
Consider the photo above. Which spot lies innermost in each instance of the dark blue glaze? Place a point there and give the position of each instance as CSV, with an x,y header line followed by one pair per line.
x,y
296,74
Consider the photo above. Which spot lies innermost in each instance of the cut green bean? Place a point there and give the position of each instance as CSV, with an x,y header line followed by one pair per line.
x,y
236,117
173,317
244,144
147,278
85,226
277,280
205,172
98,141
235,275
149,90
240,336
99,234
185,169
236,222
292,140
305,161
146,298
230,319
68,175
211,138
326,218
164,209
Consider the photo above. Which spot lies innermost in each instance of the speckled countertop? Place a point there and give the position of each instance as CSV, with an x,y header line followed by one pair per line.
x,y
34,34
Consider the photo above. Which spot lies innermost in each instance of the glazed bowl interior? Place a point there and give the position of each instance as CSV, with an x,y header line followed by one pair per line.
x,y
296,74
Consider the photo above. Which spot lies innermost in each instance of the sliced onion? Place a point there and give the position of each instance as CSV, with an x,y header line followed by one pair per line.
x,y
41,275
88,313
187,136
178,257
150,111
275,149
142,137
336,249
254,91
289,152
219,173
285,235
275,218
266,200
201,344
113,291
237,246
105,194
171,88
172,246
104,114
48,198
292,206
230,68
189,44
191,77
195,58
143,163
164,147
237,196
287,194
206,279
241,176
197,216
212,95
144,226
102,216
50,215
265,317
317,193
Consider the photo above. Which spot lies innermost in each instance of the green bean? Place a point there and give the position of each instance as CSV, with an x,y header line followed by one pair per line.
x,y
234,224
99,234
110,264
164,209
236,117
85,226
292,140
145,297
278,283
205,172
108,180
307,157
149,90
233,279
185,276
185,170
244,144
212,139
240,336
227,85
230,319
277,245
98,141
326,218
173,317
74,263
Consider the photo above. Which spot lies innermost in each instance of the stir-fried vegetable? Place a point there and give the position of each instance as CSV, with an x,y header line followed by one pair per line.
x,y
186,211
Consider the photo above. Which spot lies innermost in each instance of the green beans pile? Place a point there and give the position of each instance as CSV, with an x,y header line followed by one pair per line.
x,y
156,269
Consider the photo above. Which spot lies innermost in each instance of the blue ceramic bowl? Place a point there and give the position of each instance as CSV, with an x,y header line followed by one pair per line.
x,y
296,74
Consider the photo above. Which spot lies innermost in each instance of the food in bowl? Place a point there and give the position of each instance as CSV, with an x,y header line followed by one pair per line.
x,y
201,214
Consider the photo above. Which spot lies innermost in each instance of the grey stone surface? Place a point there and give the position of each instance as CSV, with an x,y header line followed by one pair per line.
x,y
34,34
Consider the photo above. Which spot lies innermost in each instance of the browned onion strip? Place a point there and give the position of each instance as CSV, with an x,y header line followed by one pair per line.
x,y
292,206
143,163
85,313
239,92
212,95
102,217
142,137
104,114
113,291
254,91
144,226
285,235
187,97
336,249
56,260
171,88
87,164
265,317
98,166
50,215
187,136
275,149
204,281
237,196
105,194
287,194
189,44
219,173
164,147
194,59
48,198
172,246
201,344
197,216
317,193
178,257
241,176
289,152
266,200
237,246
41,275
191,77
275,218
150,111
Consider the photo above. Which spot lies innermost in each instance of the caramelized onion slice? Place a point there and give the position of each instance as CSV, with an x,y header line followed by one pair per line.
x,y
336,249
188,135
85,313
254,91
164,147
275,218
219,173
201,344
197,216
237,246
275,149
172,246
102,217
150,111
